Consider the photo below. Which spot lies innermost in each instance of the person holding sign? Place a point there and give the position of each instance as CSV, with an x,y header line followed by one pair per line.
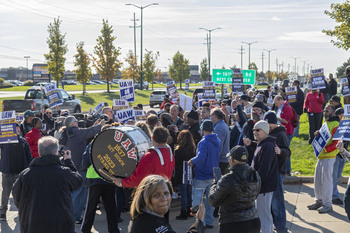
x,y
324,167
34,135
313,107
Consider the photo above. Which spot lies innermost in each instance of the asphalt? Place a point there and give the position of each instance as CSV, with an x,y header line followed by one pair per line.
x,y
298,194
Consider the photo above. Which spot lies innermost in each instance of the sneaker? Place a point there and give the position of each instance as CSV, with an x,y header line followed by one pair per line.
x,y
3,217
315,206
79,221
337,201
182,216
325,209
208,226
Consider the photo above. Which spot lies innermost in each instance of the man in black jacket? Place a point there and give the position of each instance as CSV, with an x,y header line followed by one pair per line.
x,y
15,157
266,164
283,152
236,193
332,86
42,192
298,105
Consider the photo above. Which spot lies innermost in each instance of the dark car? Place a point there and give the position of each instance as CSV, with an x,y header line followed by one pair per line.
x,y
196,91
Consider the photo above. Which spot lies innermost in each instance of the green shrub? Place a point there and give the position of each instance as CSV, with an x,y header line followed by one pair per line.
x,y
28,83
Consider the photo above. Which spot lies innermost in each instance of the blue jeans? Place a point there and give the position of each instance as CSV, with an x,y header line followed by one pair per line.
x,y
288,163
337,171
278,208
186,196
296,129
209,210
79,197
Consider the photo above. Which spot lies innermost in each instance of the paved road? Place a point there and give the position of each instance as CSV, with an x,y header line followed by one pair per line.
x,y
300,219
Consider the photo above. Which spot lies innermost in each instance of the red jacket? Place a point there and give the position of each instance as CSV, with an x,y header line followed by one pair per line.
x,y
313,102
169,101
287,114
32,138
150,164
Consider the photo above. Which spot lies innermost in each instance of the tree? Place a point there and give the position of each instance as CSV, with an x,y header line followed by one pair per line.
x,y
341,69
204,71
106,62
179,70
82,62
340,13
149,66
133,70
55,58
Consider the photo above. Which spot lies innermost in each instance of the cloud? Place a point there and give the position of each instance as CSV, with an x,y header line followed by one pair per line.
x,y
309,36
275,18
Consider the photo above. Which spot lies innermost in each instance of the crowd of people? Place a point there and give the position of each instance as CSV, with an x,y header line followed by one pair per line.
x,y
245,137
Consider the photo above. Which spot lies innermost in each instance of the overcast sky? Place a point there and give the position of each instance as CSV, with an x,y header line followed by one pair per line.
x,y
293,28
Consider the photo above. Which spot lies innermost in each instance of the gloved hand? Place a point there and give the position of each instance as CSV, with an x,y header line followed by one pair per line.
x,y
305,110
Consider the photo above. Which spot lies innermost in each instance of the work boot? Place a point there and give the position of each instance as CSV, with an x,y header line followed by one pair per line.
x,y
315,206
325,209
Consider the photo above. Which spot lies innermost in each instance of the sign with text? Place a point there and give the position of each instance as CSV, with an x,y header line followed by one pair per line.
x,y
187,84
19,118
291,93
8,133
343,130
125,115
224,76
126,87
98,109
171,88
345,86
185,102
52,95
208,90
140,115
201,99
320,142
318,80
186,173
237,81
120,104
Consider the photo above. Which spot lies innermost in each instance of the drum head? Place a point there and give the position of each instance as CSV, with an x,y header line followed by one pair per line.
x,y
114,153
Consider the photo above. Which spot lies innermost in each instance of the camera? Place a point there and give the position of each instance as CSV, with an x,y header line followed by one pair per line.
x,y
61,152
104,117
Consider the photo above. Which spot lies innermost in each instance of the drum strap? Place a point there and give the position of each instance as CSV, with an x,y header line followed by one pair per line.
x,y
160,154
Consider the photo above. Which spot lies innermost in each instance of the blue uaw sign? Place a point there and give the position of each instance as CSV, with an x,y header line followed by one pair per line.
x,y
345,86
343,131
317,79
125,115
8,132
237,81
320,142
126,88
52,95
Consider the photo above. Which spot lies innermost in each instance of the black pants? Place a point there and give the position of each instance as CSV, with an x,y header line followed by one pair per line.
x,y
315,123
251,226
107,192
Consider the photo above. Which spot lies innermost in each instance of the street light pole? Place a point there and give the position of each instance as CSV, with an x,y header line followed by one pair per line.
x,y
295,63
27,57
209,46
249,44
141,52
269,51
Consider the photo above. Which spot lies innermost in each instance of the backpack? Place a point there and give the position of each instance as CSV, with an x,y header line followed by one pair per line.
x,y
294,120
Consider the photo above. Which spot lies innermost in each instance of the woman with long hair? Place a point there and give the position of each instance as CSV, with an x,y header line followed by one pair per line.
x,y
184,151
150,204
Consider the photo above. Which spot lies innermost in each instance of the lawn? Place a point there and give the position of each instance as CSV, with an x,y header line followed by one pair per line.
x,y
303,159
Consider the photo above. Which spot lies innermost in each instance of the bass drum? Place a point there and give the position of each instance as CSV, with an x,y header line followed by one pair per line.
x,y
115,152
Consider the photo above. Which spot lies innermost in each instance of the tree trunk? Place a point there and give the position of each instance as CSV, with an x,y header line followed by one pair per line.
x,y
107,86
84,88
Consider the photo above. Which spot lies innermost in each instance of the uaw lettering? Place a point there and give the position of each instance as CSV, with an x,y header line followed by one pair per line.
x,y
346,109
291,94
126,114
8,132
345,87
343,130
208,84
317,72
126,88
52,95
7,115
320,142
98,108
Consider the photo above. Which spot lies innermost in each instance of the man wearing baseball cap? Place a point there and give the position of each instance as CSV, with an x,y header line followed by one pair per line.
x,y
265,162
236,193
26,125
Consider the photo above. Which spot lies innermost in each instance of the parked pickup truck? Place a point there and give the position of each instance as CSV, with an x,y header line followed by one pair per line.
x,y
33,101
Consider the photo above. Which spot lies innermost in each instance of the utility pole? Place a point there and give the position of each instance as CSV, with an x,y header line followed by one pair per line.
x,y
249,44
288,67
141,54
276,65
241,52
304,67
27,57
134,27
295,63
269,51
209,46
262,61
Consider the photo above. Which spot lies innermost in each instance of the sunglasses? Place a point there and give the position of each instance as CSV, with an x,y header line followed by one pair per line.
x,y
256,130
48,112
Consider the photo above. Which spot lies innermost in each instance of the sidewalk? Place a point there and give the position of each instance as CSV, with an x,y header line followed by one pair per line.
x,y
299,218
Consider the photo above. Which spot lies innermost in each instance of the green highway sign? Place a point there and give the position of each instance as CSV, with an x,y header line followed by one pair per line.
x,y
224,76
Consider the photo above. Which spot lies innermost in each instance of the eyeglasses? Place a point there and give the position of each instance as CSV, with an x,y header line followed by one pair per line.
x,y
256,130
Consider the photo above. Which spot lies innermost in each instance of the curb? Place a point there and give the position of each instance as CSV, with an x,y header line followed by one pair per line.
x,y
308,179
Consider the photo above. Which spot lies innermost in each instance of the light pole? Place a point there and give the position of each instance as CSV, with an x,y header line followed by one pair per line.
x,y
304,66
27,57
269,51
249,44
209,46
141,7
295,63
